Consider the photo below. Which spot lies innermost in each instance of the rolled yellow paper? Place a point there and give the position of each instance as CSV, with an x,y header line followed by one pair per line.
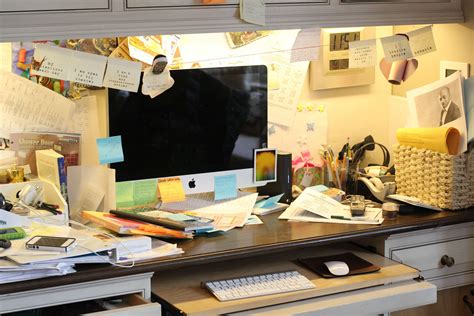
x,y
440,139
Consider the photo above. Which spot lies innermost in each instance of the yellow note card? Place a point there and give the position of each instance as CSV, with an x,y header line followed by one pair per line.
x,y
171,190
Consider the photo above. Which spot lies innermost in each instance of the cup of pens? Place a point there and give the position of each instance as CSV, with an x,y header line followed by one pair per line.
x,y
337,170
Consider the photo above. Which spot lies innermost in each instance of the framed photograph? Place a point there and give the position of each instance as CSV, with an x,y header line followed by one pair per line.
x,y
265,165
447,68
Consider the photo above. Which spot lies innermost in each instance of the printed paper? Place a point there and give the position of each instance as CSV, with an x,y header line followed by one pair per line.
x,y
253,11
396,47
422,41
171,190
225,187
306,45
27,106
85,121
110,149
270,202
122,74
87,68
51,61
362,53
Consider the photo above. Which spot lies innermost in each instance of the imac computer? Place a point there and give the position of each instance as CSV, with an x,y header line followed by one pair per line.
x,y
208,123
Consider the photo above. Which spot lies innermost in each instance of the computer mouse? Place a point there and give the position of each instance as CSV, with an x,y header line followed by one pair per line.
x,y
337,267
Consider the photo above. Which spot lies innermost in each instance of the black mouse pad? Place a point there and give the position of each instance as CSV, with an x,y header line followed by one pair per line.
x,y
356,264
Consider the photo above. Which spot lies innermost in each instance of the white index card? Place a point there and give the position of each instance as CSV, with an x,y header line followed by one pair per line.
x,y
51,61
306,45
253,11
87,68
396,47
362,53
422,41
122,74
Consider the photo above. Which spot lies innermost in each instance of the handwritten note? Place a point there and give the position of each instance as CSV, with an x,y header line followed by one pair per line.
x,y
422,41
87,68
396,47
110,149
27,106
154,85
253,11
124,194
144,191
225,187
362,53
122,74
51,61
171,190
306,45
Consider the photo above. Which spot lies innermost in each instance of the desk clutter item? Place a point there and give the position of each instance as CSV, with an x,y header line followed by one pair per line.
x,y
356,264
258,285
438,179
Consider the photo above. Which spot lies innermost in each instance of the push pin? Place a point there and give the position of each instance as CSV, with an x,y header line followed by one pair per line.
x,y
159,64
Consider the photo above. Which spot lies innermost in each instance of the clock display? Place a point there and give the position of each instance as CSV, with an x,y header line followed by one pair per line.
x,y
340,41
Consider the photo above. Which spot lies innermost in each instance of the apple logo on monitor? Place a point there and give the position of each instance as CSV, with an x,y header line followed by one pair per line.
x,y
192,184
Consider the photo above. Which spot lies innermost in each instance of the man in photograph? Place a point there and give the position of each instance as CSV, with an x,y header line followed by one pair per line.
x,y
449,110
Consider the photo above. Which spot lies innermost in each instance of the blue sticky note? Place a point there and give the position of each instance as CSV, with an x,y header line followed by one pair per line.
x,y
270,202
110,149
225,187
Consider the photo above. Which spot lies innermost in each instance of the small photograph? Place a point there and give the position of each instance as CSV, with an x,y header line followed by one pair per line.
x,y
238,39
265,165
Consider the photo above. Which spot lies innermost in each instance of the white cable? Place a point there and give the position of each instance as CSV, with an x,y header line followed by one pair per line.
x,y
108,260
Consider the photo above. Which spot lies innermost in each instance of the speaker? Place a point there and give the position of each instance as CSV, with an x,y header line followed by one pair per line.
x,y
284,179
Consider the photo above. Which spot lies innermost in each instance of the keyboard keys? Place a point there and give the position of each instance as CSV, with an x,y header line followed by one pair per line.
x,y
252,286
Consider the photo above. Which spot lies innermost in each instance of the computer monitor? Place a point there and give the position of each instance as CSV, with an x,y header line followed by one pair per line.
x,y
208,123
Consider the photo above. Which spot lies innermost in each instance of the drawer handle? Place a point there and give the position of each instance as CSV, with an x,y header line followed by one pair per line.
x,y
447,261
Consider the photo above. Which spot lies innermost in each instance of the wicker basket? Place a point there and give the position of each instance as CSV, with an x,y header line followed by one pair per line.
x,y
442,180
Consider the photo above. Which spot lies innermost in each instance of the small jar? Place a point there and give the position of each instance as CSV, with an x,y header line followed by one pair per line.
x,y
17,174
390,210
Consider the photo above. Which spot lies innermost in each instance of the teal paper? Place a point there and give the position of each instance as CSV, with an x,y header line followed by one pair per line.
x,y
110,149
180,217
225,187
270,202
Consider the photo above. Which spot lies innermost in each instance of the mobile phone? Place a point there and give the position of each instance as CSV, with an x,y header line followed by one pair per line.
x,y
49,243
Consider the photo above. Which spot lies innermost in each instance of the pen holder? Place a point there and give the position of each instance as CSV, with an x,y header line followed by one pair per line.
x,y
438,179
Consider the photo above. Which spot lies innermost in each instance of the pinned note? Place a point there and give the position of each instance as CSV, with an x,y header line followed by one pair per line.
x,y
253,11
87,68
396,47
225,187
171,190
362,53
122,74
422,41
306,45
51,61
154,85
110,149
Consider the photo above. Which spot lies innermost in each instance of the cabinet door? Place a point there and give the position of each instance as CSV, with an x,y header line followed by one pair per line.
x,y
15,6
130,4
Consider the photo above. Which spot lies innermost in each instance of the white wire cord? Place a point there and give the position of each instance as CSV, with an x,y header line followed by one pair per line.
x,y
108,260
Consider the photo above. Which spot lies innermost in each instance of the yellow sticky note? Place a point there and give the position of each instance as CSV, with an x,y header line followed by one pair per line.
x,y
171,190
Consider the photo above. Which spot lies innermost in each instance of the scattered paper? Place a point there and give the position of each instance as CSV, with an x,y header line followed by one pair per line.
x,y
396,47
180,217
422,41
122,74
270,202
85,121
91,197
110,149
253,11
321,204
306,45
225,187
154,85
145,48
373,216
27,106
253,220
171,190
87,68
362,53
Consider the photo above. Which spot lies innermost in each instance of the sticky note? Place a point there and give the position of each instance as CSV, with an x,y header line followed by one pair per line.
x,y
306,45
396,47
362,53
225,187
270,202
253,11
124,194
122,74
422,41
110,149
171,190
144,191
87,68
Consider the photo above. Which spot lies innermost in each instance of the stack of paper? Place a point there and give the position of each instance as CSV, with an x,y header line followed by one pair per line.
x,y
13,272
314,206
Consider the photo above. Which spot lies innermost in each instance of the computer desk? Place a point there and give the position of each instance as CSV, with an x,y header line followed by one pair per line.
x,y
254,241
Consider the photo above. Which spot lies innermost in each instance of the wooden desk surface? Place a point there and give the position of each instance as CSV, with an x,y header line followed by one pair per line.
x,y
273,236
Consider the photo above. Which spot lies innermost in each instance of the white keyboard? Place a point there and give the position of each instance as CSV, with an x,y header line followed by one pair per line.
x,y
258,285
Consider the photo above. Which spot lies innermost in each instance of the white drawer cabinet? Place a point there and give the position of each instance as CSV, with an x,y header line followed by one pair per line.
x,y
444,255
16,6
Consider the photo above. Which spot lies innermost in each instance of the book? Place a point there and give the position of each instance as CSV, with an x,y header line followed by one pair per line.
x,y
51,168
132,227
25,144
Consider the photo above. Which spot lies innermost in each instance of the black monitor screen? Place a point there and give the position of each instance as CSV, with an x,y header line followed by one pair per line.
x,y
209,120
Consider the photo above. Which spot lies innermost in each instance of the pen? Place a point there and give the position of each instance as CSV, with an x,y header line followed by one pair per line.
x,y
354,219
